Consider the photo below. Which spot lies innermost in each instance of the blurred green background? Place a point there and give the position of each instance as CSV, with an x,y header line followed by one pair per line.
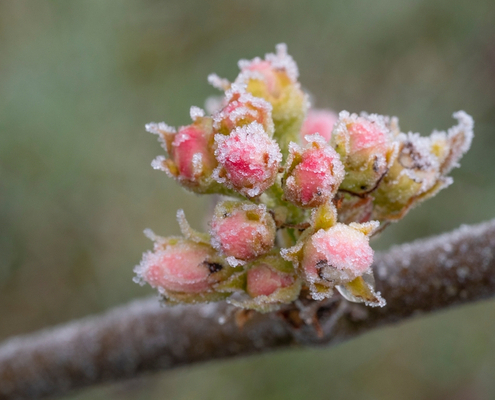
x,y
78,81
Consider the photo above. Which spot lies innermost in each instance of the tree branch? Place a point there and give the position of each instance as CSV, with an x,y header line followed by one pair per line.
x,y
423,276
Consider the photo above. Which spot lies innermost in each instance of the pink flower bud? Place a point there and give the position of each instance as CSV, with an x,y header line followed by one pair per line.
x,y
366,135
265,71
248,160
275,80
190,155
313,174
336,255
243,108
319,121
191,152
181,266
242,230
276,71
272,78
264,281
366,146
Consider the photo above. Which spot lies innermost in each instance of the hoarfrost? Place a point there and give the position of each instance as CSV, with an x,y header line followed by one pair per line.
x,y
459,138
281,60
214,104
159,163
196,112
234,262
217,82
159,128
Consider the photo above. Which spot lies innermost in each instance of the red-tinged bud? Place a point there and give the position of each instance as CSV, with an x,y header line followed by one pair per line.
x,y
275,80
313,174
242,230
337,255
248,160
366,146
190,155
262,280
179,265
266,283
319,121
242,109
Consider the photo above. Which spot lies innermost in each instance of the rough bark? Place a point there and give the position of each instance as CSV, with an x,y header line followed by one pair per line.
x,y
427,275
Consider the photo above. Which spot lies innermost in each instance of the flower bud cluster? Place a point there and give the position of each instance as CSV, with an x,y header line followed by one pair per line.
x,y
305,191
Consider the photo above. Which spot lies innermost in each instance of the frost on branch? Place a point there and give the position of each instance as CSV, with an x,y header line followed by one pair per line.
x,y
306,190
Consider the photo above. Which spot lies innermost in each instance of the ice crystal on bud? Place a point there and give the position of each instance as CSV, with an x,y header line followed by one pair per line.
x,y
312,174
300,227
196,113
248,160
218,83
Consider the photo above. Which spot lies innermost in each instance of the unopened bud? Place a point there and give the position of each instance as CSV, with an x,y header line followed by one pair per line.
x,y
262,280
248,160
313,174
336,255
190,155
275,80
182,266
241,109
268,282
242,230
366,146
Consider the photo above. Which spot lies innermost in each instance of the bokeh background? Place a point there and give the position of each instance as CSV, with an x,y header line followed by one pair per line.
x,y
78,81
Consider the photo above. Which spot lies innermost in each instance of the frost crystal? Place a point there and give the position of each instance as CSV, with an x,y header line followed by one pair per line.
x,y
306,189
196,113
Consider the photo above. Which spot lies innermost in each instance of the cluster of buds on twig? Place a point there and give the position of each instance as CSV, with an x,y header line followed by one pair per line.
x,y
304,191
